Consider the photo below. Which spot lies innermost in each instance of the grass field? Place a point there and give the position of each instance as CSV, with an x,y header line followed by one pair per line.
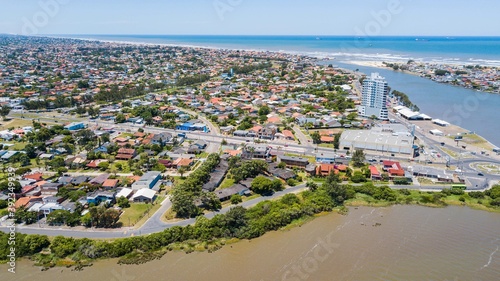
x,y
125,167
16,123
133,213
226,183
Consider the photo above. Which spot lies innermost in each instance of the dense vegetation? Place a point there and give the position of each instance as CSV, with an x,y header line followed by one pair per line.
x,y
184,195
405,100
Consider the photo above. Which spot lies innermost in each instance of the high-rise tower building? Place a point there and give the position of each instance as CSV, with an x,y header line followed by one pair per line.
x,y
374,97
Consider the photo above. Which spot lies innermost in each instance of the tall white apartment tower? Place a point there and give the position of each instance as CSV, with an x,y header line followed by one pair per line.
x,y
374,100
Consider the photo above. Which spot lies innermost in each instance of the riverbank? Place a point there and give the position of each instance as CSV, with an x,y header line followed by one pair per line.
x,y
473,200
405,242
239,224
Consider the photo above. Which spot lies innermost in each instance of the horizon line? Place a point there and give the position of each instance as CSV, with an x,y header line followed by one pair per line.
x,y
252,35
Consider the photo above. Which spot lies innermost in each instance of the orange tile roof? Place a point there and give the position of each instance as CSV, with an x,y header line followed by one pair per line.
x,y
24,201
110,183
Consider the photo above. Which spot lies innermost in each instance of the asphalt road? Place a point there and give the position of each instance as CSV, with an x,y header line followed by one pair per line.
x,y
152,225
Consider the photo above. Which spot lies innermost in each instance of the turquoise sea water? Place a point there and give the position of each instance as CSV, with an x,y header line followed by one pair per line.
x,y
472,110
481,50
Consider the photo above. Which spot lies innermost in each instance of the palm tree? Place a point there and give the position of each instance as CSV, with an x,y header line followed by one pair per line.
x,y
251,149
182,170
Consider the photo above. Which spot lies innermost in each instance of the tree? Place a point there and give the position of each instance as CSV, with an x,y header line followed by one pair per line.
x,y
262,185
4,111
358,158
30,150
358,177
316,137
264,110
311,185
338,192
35,243
182,170
210,200
235,199
103,166
281,165
58,217
93,112
123,202
120,118
336,141
351,116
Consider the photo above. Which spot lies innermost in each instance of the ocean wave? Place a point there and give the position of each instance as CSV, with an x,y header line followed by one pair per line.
x,y
342,56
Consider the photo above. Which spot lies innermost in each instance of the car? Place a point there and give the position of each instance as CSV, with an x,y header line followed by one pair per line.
x,y
286,145
480,174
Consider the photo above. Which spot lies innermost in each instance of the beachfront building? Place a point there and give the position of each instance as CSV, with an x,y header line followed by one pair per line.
x,y
374,97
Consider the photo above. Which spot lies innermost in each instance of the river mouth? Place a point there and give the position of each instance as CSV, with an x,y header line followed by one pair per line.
x,y
389,243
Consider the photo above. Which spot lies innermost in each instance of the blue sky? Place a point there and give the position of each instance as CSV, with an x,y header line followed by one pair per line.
x,y
252,17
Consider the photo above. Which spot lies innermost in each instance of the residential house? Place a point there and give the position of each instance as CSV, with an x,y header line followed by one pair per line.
x,y
80,179
103,148
124,192
162,139
99,179
110,184
226,193
125,154
255,151
100,196
292,161
148,180
34,176
144,195
375,174
216,176
50,189
393,168
94,164
26,202
325,169
182,162
267,132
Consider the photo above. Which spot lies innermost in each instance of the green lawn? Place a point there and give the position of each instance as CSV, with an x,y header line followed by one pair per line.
x,y
327,145
125,135
155,207
134,213
226,183
125,166
202,155
16,145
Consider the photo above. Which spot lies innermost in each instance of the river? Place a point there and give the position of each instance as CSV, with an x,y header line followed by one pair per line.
x,y
394,243
472,110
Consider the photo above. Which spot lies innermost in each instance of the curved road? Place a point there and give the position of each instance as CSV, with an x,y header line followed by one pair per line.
x,y
152,225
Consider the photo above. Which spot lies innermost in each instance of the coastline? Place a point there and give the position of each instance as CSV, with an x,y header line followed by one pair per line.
x,y
309,55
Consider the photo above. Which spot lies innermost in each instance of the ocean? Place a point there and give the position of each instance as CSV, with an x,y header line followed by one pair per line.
x,y
474,50
472,110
